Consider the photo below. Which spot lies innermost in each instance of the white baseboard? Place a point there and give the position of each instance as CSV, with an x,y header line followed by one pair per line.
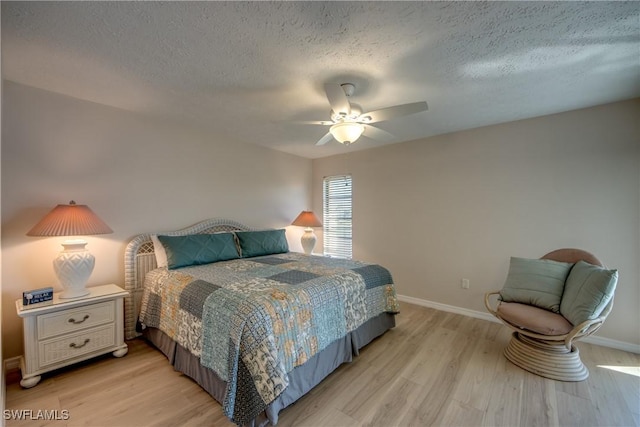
x,y
605,342
618,345
11,363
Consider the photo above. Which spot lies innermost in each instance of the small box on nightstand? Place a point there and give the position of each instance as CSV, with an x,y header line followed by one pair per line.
x,y
37,296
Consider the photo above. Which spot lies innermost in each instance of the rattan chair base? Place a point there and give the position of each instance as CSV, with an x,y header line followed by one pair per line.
x,y
549,360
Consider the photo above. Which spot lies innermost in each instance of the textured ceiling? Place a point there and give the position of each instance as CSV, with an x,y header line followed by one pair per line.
x,y
251,70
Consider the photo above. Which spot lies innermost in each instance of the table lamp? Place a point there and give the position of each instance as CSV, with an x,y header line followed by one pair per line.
x,y
74,264
307,219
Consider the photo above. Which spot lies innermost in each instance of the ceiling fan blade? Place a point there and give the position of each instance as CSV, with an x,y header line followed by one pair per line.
x,y
337,99
377,133
317,122
328,137
391,112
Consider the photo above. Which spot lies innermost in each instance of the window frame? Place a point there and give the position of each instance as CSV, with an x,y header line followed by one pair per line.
x,y
337,216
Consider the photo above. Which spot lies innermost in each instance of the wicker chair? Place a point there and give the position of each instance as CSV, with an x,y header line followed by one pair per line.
x,y
550,356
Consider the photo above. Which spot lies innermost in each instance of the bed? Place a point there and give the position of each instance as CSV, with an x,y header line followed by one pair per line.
x,y
259,326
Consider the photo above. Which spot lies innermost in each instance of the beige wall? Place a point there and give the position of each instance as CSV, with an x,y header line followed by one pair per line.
x,y
137,174
434,211
2,375
457,206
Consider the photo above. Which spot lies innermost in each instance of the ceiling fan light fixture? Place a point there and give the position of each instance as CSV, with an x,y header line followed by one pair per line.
x,y
346,133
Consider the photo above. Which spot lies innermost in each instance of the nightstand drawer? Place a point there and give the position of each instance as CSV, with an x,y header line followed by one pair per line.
x,y
70,346
63,322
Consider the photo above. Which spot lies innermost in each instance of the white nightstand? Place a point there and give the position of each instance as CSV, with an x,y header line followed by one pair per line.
x,y
67,331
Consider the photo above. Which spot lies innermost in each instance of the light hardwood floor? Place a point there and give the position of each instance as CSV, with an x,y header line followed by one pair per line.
x,y
433,369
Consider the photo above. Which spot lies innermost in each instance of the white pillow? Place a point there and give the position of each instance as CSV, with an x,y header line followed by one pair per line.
x,y
158,249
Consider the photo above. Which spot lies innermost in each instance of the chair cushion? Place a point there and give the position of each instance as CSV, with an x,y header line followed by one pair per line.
x,y
538,282
534,319
587,292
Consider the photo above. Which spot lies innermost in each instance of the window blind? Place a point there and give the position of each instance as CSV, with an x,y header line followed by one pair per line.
x,y
337,216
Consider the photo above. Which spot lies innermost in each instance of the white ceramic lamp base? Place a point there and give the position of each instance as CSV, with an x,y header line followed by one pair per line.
x,y
73,266
308,240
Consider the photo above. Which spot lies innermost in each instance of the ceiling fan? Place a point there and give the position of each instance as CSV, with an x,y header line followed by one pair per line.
x,y
348,122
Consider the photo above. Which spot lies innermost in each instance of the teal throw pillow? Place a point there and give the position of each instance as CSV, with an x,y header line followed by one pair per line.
x,y
588,290
197,249
258,243
537,282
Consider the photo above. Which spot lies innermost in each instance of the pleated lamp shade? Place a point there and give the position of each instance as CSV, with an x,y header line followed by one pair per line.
x,y
307,219
74,265
70,220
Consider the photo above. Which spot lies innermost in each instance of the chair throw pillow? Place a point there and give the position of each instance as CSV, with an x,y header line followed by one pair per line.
x,y
537,282
266,242
197,249
588,290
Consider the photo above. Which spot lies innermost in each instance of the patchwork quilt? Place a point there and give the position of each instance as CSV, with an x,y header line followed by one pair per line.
x,y
253,320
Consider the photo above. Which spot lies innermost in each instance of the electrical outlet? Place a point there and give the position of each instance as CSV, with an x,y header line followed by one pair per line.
x,y
465,283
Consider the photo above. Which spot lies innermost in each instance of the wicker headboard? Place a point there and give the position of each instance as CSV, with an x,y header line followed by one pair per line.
x,y
139,259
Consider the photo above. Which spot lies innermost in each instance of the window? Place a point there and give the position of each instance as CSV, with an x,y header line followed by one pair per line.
x,y
337,216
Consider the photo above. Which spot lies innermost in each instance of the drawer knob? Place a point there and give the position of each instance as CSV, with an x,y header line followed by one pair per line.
x,y
77,322
74,345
